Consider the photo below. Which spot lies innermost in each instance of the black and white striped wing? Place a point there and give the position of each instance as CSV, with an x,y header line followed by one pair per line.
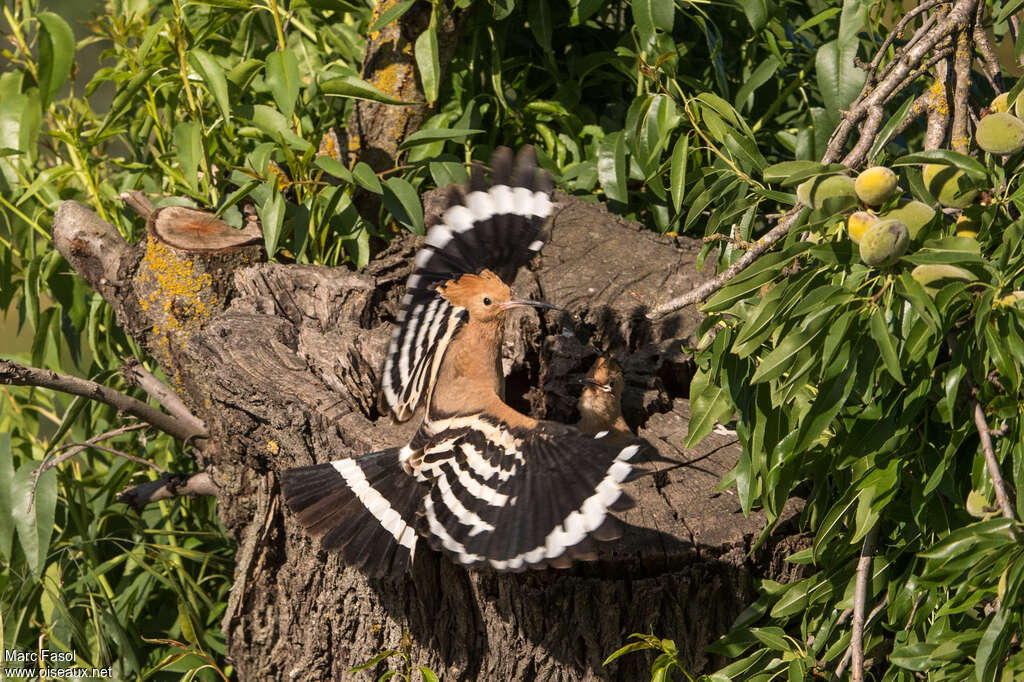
x,y
363,507
497,227
425,325
515,499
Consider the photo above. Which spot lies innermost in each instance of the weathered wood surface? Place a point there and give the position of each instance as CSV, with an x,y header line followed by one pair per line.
x,y
281,363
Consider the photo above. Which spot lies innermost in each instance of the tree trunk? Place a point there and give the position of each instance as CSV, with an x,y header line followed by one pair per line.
x,y
281,363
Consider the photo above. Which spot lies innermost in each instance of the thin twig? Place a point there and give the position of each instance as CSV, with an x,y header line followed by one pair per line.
x,y
166,487
136,374
938,57
860,597
897,31
990,460
711,286
841,668
993,72
15,374
74,448
919,106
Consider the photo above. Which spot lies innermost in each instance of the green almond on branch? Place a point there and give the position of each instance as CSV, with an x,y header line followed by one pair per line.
x,y
884,243
1000,133
858,223
875,185
816,191
948,185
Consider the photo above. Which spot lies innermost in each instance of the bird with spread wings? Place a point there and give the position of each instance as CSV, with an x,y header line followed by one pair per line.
x,y
479,481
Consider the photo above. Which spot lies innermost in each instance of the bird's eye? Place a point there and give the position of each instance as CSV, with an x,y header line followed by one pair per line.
x,y
487,301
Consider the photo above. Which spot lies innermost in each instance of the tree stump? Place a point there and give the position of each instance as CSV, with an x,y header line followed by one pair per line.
x,y
282,362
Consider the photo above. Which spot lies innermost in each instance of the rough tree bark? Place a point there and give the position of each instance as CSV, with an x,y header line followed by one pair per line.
x,y
280,362
375,130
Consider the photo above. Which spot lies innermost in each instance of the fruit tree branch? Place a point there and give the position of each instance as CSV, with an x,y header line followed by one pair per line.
x,y
860,597
867,108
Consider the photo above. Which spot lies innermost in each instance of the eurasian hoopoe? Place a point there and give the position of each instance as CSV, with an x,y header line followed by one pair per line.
x,y
483,483
600,404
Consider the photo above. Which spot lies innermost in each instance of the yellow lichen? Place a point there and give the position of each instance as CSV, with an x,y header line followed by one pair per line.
x,y
272,447
179,297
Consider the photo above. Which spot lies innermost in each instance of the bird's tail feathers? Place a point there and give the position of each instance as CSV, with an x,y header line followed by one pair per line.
x,y
363,507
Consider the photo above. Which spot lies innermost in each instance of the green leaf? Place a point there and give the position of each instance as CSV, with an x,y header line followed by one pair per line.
x,y
611,167
839,78
30,292
650,15
6,492
781,172
428,674
366,178
388,653
884,339
188,143
213,77
708,404
282,77
972,167
271,213
357,88
781,357
188,630
56,54
402,201
428,63
538,13
335,168
436,134
34,521
389,15
678,171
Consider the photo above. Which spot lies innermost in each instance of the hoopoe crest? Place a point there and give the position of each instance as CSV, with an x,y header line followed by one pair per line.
x,y
480,481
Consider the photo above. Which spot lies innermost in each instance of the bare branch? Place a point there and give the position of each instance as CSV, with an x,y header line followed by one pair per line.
x,y
938,57
993,72
841,668
990,460
868,133
959,138
919,106
897,31
138,202
711,286
74,448
166,487
860,597
13,374
136,374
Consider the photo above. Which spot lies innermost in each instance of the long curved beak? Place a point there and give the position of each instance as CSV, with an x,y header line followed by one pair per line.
x,y
508,305
607,388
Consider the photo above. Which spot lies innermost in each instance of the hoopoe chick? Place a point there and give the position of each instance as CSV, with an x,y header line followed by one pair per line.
x,y
600,403
481,482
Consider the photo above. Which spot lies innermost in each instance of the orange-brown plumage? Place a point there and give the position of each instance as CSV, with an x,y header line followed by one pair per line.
x,y
470,379
600,403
